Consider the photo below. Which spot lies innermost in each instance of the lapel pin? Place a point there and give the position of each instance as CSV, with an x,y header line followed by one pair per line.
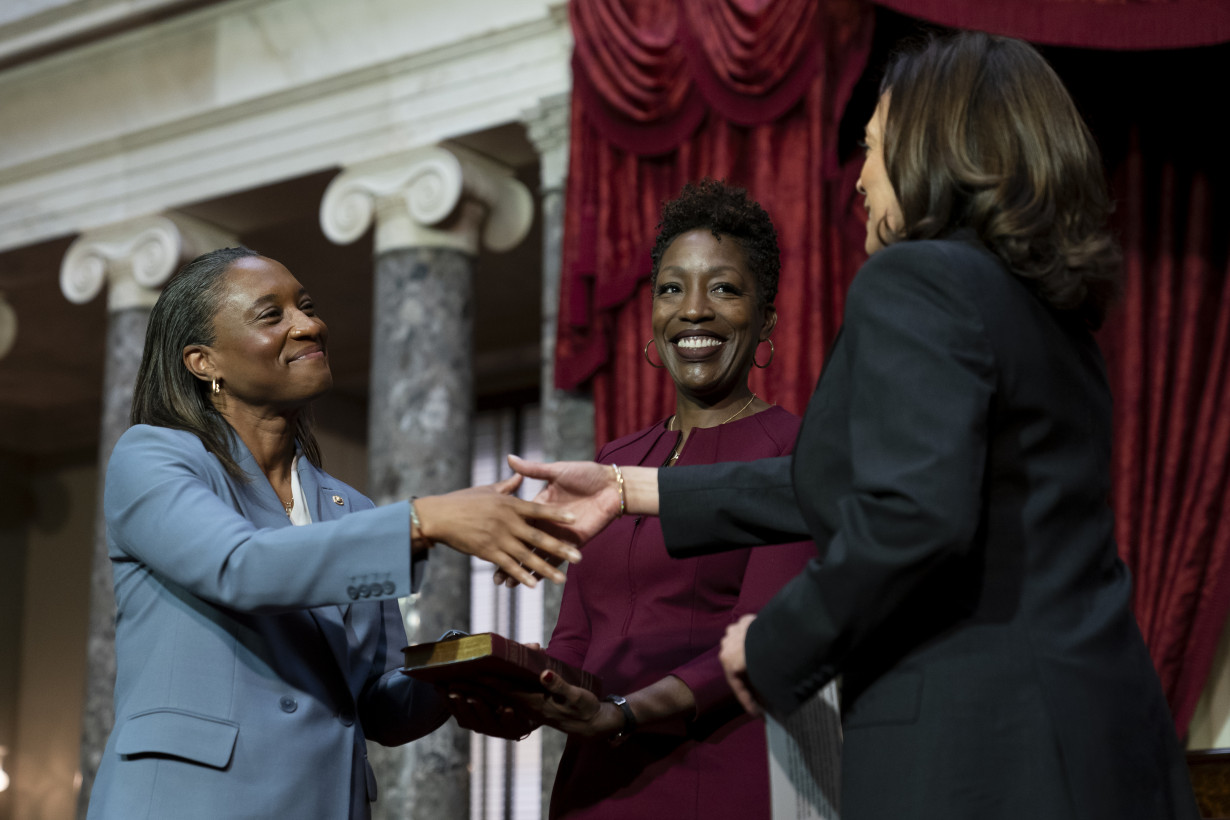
x,y
337,499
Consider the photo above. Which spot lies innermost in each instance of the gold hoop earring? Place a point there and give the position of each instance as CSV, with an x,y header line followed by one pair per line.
x,y
771,352
214,387
646,352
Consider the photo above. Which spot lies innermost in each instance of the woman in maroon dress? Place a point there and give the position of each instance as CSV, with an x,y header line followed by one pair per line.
x,y
671,741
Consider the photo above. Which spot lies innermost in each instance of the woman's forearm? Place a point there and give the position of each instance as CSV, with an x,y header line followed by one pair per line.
x,y
666,706
640,490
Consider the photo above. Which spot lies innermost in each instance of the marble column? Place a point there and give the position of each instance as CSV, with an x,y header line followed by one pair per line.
x,y
133,260
567,417
431,207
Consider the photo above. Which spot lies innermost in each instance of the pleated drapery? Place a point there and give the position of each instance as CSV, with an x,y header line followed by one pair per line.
x,y
1168,352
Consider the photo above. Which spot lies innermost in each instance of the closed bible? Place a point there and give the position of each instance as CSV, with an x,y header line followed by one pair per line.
x,y
490,660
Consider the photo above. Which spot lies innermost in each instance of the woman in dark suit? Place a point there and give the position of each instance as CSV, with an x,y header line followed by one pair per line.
x,y
257,629
953,468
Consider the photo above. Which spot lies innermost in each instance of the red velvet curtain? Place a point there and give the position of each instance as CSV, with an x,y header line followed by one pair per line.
x,y
1168,349
666,92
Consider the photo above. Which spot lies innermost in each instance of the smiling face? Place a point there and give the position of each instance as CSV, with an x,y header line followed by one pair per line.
x,y
878,195
270,348
706,317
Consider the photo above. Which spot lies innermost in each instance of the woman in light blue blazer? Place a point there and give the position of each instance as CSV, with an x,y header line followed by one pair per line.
x,y
257,627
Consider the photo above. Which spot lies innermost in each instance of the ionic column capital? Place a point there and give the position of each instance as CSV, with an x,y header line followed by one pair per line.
x,y
548,125
8,326
135,258
437,196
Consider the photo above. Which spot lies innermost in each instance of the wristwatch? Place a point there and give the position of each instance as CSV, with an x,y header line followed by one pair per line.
x,y
629,719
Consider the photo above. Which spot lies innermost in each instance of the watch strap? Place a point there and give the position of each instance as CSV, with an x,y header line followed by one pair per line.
x,y
629,718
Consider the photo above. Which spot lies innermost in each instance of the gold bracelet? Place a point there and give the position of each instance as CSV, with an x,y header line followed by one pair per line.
x,y
415,524
619,483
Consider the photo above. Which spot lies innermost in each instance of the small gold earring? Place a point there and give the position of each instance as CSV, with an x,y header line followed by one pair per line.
x,y
214,387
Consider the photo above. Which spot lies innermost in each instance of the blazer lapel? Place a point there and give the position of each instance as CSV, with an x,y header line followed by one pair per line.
x,y
327,502
263,507
321,501
258,492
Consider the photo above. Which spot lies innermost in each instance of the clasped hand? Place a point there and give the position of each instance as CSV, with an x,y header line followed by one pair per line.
x,y
584,490
573,710
493,524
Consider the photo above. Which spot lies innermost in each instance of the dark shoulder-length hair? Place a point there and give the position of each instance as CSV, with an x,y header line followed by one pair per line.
x,y
981,134
167,393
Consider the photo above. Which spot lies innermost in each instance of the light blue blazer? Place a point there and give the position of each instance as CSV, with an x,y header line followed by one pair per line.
x,y
253,657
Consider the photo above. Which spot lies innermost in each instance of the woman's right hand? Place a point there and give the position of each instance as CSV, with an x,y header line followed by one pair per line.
x,y
484,711
586,489
491,523
589,491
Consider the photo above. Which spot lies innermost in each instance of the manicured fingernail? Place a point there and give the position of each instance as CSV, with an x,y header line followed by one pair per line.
x,y
548,677
574,555
569,518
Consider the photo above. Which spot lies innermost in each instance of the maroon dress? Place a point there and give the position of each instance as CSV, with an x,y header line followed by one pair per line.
x,y
633,615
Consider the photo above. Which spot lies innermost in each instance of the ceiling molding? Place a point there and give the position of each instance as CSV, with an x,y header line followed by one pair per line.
x,y
225,113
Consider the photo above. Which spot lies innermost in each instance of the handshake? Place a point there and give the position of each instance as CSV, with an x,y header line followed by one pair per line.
x,y
579,500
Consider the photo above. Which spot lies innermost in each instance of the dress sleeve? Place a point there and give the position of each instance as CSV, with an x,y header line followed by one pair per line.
x,y
768,570
570,639
922,378
163,511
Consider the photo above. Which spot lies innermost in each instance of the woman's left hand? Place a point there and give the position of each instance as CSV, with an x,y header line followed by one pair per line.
x,y
572,709
734,663
493,524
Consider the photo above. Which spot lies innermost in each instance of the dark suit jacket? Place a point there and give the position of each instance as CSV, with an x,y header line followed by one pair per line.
x,y
953,469
253,657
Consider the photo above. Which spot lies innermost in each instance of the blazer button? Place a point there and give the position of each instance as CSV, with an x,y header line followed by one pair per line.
x,y
288,704
346,717
353,592
389,588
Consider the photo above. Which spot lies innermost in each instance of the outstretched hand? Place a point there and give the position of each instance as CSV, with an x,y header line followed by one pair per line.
x,y
491,523
585,489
